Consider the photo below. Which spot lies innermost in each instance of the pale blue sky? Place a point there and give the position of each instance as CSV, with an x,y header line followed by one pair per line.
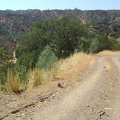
x,y
59,4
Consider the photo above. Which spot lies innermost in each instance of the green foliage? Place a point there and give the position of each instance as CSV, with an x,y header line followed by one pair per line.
x,y
69,33
29,50
3,55
46,59
100,27
61,35
84,45
100,43
20,70
16,69
114,44
3,74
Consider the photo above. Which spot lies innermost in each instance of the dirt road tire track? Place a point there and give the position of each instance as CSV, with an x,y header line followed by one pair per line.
x,y
95,97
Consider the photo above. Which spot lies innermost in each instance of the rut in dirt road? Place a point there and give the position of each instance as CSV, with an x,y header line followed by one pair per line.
x,y
95,97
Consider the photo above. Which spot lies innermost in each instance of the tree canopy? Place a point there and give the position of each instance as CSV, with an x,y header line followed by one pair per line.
x,y
62,35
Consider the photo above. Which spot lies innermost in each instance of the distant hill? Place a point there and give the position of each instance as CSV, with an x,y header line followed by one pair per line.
x,y
15,23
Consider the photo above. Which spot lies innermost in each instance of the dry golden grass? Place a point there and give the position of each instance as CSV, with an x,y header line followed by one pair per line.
x,y
13,82
68,69
71,68
109,53
38,77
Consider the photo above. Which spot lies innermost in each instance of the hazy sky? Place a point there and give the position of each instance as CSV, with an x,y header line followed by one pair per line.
x,y
59,4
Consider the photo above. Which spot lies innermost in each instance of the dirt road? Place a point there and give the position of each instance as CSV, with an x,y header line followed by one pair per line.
x,y
95,97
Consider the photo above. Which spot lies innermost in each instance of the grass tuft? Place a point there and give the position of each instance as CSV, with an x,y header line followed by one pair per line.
x,y
68,69
13,82
108,53
38,77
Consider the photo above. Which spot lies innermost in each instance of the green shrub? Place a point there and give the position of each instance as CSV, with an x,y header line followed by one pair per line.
x,y
46,58
100,43
21,70
83,45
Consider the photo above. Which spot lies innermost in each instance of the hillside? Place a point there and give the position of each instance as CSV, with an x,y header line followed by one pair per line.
x,y
14,23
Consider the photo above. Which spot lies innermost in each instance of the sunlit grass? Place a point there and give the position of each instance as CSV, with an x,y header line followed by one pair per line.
x,y
13,82
68,69
106,52
38,77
